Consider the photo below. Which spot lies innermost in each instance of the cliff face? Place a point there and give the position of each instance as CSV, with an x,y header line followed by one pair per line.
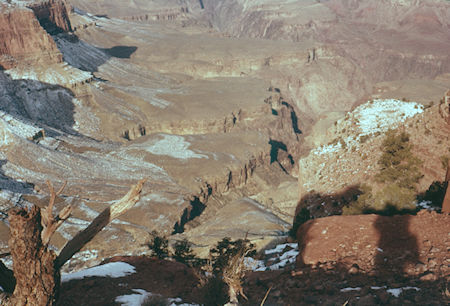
x,y
23,40
53,15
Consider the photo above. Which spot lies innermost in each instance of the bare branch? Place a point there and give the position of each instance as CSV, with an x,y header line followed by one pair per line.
x,y
110,213
48,221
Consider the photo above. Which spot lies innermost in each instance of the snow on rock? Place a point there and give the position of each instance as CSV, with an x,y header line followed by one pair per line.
x,y
112,269
141,296
282,255
57,74
382,115
279,248
397,291
10,126
350,289
326,149
174,146
136,299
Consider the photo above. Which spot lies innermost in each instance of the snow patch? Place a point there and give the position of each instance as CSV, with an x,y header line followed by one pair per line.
x,y
279,248
382,115
173,146
57,74
276,254
141,296
348,289
397,291
112,269
133,299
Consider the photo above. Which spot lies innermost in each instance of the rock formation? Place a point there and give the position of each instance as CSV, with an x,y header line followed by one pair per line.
x,y
24,41
53,15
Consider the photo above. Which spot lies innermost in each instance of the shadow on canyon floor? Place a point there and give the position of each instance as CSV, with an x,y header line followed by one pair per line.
x,y
87,57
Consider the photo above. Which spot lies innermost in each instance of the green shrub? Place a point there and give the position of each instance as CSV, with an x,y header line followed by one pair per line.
x,y
391,199
399,174
158,245
183,253
222,254
397,163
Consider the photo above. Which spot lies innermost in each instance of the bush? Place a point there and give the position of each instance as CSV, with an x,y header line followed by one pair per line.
x,y
399,173
227,264
390,200
183,253
158,245
398,165
222,254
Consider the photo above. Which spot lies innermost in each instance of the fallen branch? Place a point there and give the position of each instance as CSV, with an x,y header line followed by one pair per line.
x,y
106,216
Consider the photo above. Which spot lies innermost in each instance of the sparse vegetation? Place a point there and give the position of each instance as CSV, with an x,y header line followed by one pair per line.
x,y
399,173
398,165
227,264
183,253
158,245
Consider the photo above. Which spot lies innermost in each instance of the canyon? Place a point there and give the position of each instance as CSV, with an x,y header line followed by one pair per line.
x,y
234,110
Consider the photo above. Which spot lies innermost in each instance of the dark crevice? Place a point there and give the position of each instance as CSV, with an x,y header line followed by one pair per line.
x,y
189,213
275,146
294,119
201,4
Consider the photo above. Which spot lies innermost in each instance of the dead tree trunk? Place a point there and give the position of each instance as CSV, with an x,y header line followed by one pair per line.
x,y
36,279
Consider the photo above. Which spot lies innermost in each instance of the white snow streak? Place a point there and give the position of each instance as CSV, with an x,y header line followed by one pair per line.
x,y
112,269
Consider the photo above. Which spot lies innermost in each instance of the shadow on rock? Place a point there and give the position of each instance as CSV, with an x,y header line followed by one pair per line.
x,y
397,246
87,57
41,103
9,184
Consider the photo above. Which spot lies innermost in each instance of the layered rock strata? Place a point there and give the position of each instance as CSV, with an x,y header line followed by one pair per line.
x,y
24,41
53,15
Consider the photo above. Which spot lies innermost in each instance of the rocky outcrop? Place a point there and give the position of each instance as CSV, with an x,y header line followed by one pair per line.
x,y
444,107
53,15
413,245
23,40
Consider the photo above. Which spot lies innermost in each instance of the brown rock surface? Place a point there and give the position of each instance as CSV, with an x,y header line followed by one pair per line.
x,y
378,244
24,41
53,15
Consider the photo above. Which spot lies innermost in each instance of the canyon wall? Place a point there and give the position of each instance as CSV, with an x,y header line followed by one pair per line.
x,y
53,15
23,40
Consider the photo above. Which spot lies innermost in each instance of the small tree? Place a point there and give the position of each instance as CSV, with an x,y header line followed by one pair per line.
x,y
398,176
159,245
